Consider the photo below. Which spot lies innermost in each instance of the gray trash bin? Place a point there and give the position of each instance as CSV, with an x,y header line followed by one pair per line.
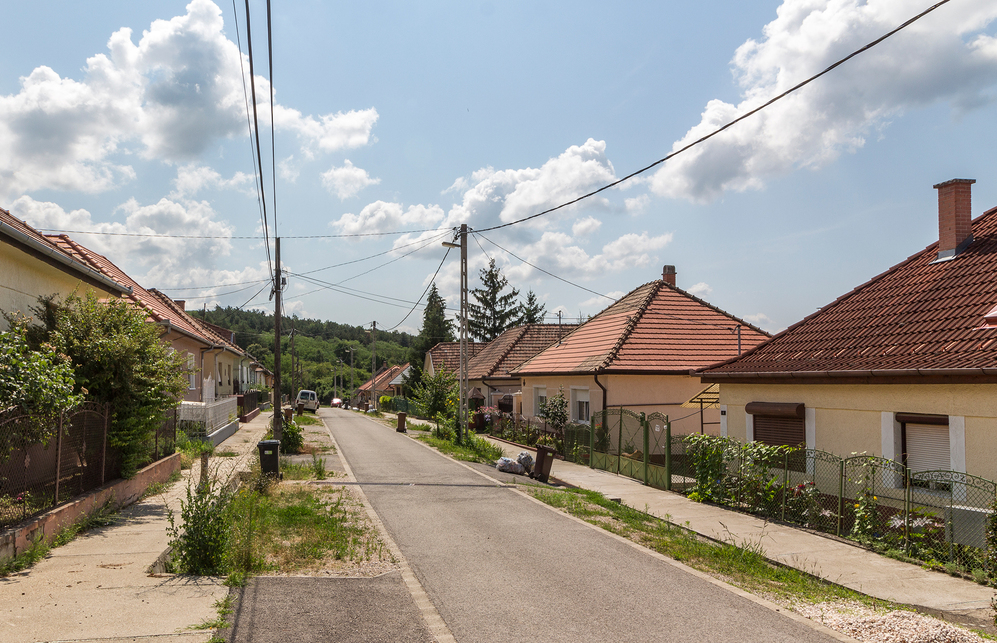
x,y
269,457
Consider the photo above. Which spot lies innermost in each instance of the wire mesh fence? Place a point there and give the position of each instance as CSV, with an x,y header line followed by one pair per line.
x,y
45,461
198,420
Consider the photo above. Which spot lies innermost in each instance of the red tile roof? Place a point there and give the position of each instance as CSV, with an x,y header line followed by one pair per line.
x,y
446,355
383,379
158,307
509,350
655,329
919,318
23,233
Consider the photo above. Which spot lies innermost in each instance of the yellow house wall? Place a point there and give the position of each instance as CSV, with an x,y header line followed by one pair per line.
x,y
26,277
848,418
639,393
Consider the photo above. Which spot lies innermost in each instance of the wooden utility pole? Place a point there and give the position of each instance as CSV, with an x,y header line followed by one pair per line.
x,y
462,424
278,427
373,368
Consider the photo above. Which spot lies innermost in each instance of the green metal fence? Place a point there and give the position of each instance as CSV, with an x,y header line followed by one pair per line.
x,y
945,518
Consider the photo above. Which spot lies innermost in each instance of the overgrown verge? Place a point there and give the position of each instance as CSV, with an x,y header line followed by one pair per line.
x,y
743,564
470,449
102,516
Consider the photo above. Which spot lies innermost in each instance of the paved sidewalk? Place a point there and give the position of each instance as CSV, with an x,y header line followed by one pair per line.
x,y
98,587
840,562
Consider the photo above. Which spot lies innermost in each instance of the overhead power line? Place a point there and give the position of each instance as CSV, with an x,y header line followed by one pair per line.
x,y
251,237
723,128
428,286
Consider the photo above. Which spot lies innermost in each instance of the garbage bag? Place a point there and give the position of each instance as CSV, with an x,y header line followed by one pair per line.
x,y
526,460
510,466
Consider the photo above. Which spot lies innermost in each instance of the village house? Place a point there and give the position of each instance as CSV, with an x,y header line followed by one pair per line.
x,y
489,373
904,366
445,356
640,353
33,266
387,381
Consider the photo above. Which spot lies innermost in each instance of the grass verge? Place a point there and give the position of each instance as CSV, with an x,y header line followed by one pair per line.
x,y
475,450
102,516
741,564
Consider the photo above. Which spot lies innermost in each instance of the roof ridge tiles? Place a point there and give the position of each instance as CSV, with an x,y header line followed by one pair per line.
x,y
631,324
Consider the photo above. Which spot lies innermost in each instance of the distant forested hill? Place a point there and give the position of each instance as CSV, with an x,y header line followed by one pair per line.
x,y
319,346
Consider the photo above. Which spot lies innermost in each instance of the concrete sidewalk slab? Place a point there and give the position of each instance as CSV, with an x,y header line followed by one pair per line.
x,y
830,558
98,587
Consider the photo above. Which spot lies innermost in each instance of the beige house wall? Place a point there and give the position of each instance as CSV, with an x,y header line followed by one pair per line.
x,y
855,418
25,277
639,393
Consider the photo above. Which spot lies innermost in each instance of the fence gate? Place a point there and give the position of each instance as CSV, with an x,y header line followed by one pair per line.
x,y
618,441
950,513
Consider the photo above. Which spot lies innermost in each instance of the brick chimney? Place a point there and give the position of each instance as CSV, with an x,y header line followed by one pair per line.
x,y
955,216
181,303
668,274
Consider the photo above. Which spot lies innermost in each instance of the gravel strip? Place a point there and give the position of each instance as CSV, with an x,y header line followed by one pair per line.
x,y
896,626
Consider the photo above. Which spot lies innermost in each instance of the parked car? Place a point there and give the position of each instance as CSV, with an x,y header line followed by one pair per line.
x,y
336,403
309,399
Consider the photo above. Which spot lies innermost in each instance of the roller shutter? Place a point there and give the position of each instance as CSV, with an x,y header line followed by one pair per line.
x,y
780,431
927,447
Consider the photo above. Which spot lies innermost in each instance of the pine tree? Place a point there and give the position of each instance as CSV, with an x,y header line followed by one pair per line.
x,y
495,312
532,311
436,328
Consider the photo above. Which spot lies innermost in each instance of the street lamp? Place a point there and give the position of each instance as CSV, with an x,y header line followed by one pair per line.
x,y
462,422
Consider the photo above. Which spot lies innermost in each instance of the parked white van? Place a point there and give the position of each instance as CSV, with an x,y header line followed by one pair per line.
x,y
309,399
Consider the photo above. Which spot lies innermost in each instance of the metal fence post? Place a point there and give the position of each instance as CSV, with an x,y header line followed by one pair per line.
x,y
644,424
103,450
785,482
668,455
841,494
58,458
907,503
619,444
592,440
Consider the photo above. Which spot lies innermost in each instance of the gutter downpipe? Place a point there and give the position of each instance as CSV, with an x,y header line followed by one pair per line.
x,y
605,394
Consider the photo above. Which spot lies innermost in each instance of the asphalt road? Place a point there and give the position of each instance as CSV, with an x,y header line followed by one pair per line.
x,y
501,567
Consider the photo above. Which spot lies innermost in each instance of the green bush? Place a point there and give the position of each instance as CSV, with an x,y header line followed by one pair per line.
x,y
201,539
385,403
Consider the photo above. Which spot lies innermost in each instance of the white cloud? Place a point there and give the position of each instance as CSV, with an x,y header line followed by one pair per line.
x,y
558,253
585,227
601,303
347,181
943,57
168,97
193,178
382,216
701,290
507,195
637,204
152,261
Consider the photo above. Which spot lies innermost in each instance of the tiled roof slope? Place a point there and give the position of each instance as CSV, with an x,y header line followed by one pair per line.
x,y
17,226
918,317
156,309
656,328
506,352
383,379
446,355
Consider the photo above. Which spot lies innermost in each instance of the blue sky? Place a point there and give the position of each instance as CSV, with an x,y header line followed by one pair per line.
x,y
131,118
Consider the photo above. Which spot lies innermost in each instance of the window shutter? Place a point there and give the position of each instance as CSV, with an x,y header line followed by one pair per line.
x,y
780,431
928,447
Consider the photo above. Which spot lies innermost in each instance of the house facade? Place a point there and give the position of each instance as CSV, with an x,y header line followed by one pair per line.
x,y
490,372
640,353
387,381
903,366
205,352
31,266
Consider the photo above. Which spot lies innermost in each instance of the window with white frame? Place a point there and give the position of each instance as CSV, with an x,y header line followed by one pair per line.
x,y
580,404
539,398
191,373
